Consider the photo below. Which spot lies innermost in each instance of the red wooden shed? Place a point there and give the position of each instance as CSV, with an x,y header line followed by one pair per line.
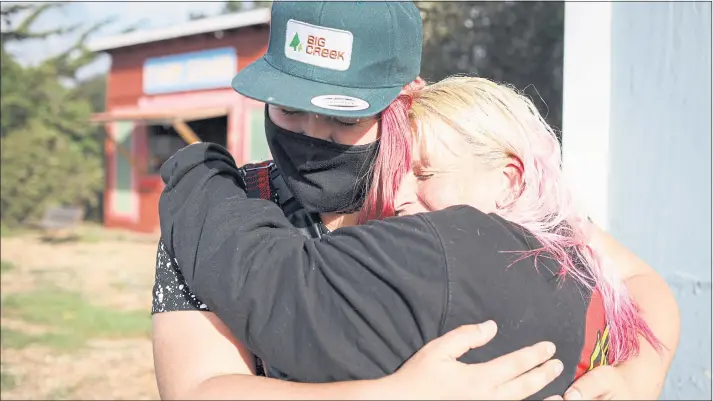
x,y
167,86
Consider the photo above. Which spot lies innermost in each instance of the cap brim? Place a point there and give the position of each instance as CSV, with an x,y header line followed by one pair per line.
x,y
263,82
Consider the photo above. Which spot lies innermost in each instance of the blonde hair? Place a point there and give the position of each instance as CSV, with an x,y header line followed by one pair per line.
x,y
494,124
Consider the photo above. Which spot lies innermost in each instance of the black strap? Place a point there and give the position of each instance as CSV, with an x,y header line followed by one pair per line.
x,y
257,185
257,180
264,181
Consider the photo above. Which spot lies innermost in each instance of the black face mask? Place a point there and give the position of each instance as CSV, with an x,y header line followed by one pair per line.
x,y
324,177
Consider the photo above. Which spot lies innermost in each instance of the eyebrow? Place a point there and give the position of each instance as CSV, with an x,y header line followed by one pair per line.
x,y
417,164
420,160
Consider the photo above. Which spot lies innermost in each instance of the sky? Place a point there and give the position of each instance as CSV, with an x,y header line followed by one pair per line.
x,y
151,14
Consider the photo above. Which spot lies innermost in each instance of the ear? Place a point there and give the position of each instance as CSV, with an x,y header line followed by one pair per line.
x,y
414,86
418,83
513,172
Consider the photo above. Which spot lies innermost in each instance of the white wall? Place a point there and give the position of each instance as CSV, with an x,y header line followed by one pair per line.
x,y
637,145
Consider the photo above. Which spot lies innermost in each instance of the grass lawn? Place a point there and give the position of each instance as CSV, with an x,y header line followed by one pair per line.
x,y
70,319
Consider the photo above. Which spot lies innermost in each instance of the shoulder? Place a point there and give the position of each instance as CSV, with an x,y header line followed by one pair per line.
x,y
403,250
406,231
496,272
460,225
479,246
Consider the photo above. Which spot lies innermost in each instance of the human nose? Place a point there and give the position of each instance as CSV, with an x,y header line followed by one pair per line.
x,y
406,194
318,127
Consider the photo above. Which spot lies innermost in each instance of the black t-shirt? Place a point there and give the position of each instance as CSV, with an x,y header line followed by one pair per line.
x,y
359,302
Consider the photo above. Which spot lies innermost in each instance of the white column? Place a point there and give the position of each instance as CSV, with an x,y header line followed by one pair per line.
x,y
637,145
586,104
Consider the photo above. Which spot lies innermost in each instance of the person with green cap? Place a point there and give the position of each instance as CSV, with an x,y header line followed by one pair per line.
x,y
337,129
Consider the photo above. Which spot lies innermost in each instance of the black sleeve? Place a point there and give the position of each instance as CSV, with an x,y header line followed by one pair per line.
x,y
170,291
354,304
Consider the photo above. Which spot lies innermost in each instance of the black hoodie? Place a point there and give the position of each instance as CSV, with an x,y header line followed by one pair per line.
x,y
357,303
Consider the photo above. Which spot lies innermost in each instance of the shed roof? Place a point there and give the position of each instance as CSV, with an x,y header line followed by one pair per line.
x,y
204,25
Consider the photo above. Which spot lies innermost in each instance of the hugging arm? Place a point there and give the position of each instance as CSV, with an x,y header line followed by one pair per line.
x,y
643,376
385,304
196,357
432,373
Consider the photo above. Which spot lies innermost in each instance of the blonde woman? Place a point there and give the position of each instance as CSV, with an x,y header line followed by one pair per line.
x,y
487,229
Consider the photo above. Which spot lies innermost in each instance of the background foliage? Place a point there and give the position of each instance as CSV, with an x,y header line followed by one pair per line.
x,y
51,154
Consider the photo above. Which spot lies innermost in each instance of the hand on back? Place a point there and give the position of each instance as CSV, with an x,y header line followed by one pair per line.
x,y
434,372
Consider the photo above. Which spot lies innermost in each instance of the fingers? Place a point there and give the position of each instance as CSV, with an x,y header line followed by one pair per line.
x,y
530,382
514,364
462,339
592,385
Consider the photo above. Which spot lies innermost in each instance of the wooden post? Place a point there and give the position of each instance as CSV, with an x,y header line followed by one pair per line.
x,y
185,132
125,153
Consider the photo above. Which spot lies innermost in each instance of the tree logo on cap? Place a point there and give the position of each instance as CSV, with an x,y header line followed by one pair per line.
x,y
295,44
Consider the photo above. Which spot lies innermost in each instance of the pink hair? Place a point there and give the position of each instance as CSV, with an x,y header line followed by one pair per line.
x,y
545,207
394,158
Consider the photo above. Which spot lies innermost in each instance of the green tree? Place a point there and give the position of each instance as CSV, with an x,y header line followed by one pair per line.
x,y
520,43
193,15
232,6
295,42
50,153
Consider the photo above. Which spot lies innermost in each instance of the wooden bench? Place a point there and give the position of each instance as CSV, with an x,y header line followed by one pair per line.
x,y
59,220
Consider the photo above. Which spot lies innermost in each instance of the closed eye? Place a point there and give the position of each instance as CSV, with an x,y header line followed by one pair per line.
x,y
288,112
423,177
420,172
346,122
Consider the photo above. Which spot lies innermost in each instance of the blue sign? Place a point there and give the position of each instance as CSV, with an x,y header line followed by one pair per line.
x,y
208,69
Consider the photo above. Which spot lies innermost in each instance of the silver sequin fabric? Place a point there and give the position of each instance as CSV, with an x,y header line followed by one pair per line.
x,y
170,292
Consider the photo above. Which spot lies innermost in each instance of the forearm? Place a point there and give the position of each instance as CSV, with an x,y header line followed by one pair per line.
x,y
245,387
646,372
196,358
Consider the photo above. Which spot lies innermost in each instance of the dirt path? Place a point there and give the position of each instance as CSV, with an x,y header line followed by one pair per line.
x,y
112,270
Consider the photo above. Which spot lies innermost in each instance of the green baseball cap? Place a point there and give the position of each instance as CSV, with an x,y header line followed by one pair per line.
x,y
344,59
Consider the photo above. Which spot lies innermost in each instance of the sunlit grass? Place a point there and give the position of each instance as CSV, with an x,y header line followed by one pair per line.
x,y
6,266
69,318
